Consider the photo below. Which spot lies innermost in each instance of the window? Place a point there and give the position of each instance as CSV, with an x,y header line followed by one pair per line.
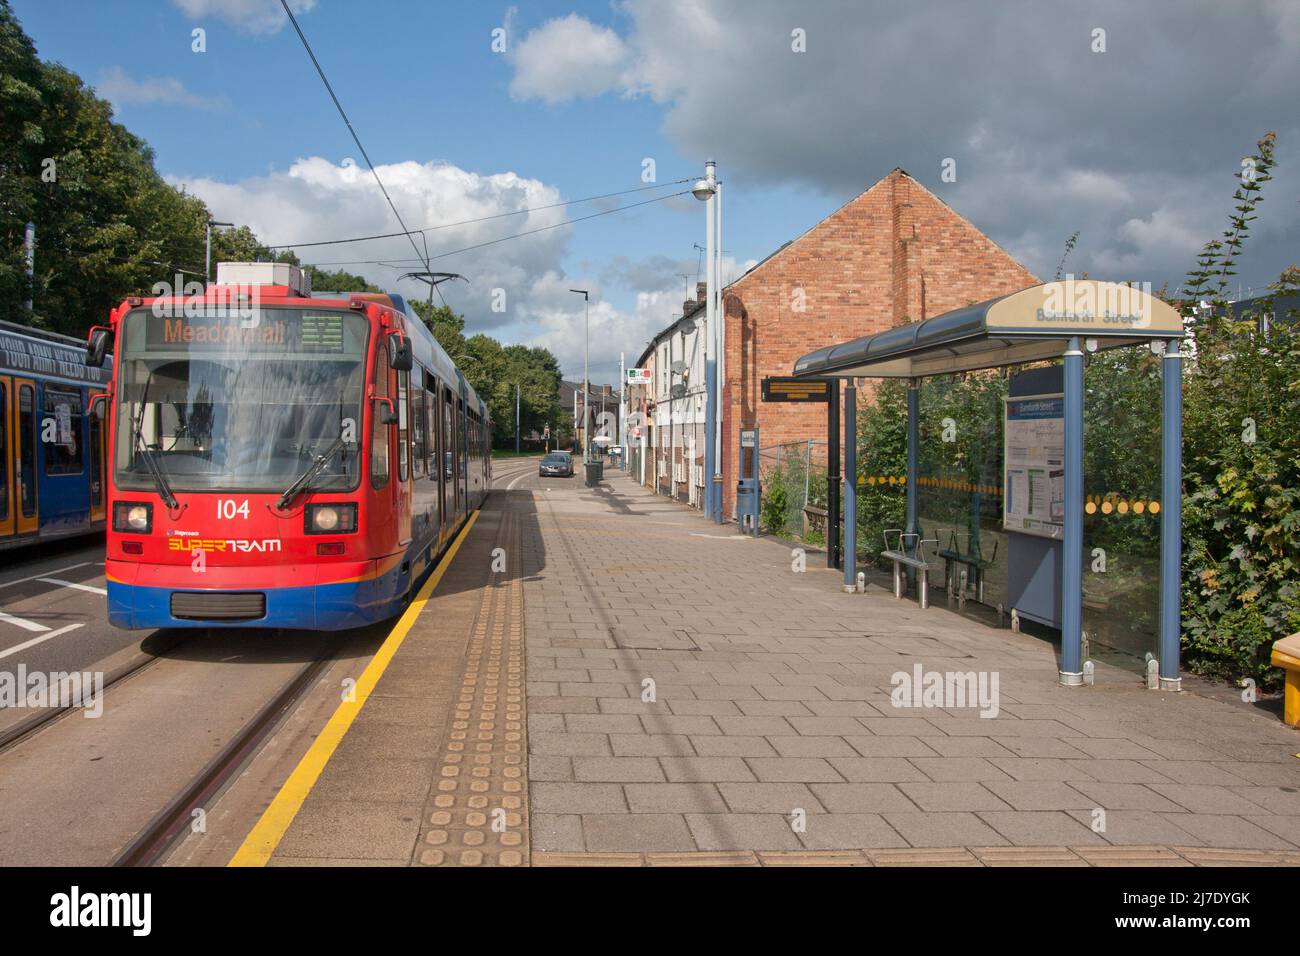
x,y
403,445
61,429
4,450
418,439
27,450
431,429
379,464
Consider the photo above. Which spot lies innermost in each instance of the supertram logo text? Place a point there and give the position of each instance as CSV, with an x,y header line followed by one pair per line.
x,y
223,545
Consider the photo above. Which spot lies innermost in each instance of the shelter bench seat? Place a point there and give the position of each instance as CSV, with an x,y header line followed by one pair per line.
x,y
1286,655
909,551
972,557
813,518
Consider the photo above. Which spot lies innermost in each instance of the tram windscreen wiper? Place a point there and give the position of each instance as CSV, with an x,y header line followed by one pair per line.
x,y
146,453
306,478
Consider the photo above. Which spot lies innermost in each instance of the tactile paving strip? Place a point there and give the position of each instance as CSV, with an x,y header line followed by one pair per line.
x,y
478,811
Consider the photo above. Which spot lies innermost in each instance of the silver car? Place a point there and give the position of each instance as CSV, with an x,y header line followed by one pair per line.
x,y
557,464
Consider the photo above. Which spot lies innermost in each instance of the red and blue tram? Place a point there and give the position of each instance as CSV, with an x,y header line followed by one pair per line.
x,y
278,458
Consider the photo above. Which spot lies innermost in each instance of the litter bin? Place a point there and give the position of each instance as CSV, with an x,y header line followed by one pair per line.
x,y
595,472
747,503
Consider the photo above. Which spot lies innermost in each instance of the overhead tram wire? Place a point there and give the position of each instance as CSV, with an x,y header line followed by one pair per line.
x,y
399,263
355,138
470,222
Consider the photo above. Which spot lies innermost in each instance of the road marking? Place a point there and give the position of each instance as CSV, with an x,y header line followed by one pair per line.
x,y
40,640
37,577
274,823
22,622
522,476
75,585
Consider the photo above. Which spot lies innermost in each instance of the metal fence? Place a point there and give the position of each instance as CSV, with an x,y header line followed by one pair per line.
x,y
793,476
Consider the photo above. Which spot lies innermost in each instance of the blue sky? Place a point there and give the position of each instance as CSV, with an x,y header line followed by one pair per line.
x,y
1050,137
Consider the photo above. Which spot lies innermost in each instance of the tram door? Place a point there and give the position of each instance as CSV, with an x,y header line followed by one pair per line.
x,y
96,456
18,457
451,453
6,459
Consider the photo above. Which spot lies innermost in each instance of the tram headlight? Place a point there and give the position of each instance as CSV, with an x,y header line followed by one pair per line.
x,y
135,517
331,518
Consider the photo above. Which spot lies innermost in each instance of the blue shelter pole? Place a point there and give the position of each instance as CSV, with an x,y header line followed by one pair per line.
x,y
850,486
710,451
1071,674
913,456
1171,516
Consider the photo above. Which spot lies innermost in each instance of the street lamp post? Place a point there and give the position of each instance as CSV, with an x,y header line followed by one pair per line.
x,y
586,367
709,191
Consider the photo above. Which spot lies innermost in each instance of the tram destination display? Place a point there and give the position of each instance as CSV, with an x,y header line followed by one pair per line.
x,y
788,389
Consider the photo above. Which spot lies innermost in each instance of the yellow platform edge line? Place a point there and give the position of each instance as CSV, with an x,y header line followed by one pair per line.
x,y
271,827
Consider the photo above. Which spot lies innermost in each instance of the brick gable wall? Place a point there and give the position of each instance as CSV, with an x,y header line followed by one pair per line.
x,y
894,254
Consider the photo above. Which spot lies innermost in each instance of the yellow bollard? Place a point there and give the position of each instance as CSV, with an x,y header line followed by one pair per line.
x,y
1286,655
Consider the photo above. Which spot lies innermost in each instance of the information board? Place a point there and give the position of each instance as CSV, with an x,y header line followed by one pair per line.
x,y
1033,500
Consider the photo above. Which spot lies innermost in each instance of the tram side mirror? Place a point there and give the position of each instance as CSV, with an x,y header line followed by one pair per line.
x,y
387,414
96,347
399,353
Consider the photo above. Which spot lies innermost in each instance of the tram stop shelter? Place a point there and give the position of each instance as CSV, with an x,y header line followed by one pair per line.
x,y
1056,320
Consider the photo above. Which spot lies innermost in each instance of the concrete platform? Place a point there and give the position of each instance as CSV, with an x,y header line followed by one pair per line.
x,y
692,699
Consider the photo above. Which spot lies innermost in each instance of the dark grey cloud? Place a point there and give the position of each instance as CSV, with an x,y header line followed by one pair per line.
x,y
1135,147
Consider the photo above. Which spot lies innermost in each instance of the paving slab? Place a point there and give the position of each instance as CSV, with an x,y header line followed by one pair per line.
x,y
645,689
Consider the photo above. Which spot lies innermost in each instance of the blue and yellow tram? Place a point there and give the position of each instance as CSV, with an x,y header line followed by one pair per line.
x,y
51,440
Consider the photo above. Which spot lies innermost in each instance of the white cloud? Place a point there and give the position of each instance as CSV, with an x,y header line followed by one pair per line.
x,y
320,199
567,58
251,16
120,89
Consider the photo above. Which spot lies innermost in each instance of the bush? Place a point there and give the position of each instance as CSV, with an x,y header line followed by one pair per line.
x,y
1241,502
775,507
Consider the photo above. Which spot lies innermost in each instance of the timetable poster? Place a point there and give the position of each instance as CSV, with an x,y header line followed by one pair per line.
x,y
1033,501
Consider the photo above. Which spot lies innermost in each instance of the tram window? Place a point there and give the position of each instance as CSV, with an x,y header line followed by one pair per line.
x,y
418,439
4,450
431,434
379,466
61,430
448,437
27,449
97,452
403,445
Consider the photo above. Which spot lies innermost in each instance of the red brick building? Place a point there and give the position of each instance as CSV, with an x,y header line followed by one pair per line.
x,y
894,254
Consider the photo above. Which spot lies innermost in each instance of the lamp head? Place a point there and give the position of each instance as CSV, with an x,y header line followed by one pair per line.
x,y
703,189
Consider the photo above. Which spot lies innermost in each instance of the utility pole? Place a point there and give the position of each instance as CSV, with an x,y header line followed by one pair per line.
x,y
516,418
586,374
708,191
622,412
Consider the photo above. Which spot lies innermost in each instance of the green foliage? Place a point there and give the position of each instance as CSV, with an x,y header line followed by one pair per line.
x,y
494,370
882,451
1241,505
775,509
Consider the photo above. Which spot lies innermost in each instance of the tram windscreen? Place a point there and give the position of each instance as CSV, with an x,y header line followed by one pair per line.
x,y
240,400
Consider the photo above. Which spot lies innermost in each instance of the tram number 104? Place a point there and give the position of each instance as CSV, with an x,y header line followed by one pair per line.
x,y
228,508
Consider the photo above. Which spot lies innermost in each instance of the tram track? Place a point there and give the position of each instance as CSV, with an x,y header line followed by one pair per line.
x,y
24,730
171,824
